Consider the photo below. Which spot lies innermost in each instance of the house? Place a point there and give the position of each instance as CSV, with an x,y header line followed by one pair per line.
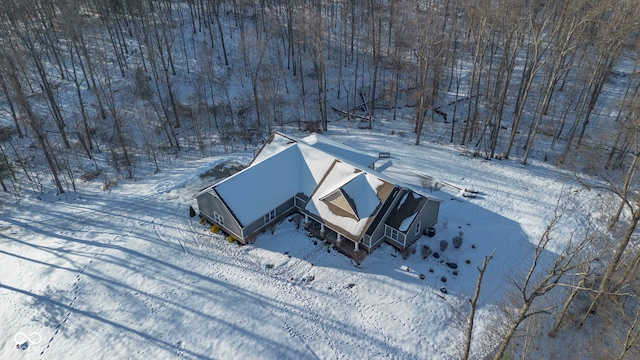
x,y
335,187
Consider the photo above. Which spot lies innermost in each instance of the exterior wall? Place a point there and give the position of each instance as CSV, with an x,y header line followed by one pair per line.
x,y
430,213
210,204
282,210
377,235
427,217
401,241
366,241
300,201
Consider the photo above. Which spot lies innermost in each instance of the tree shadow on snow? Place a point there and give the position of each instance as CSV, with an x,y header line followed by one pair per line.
x,y
162,296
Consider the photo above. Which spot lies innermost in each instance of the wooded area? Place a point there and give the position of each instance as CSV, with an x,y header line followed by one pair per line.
x,y
128,84
134,79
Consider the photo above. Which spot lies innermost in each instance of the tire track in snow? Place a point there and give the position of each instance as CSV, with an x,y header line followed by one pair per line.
x,y
173,234
75,220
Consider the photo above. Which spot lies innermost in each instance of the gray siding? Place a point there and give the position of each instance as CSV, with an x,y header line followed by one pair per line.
x,y
300,201
366,241
377,234
401,240
282,210
210,204
427,217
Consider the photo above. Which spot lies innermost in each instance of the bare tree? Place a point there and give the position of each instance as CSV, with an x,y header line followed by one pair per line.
x,y
540,280
613,266
629,311
430,67
8,67
14,115
473,306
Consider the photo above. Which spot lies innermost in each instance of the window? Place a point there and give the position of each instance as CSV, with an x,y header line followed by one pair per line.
x,y
218,218
418,227
268,217
394,234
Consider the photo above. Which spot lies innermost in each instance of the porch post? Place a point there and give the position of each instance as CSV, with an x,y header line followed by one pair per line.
x,y
339,240
322,228
306,220
356,246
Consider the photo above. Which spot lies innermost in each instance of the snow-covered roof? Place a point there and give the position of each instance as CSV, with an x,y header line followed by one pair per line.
x,y
275,144
258,189
283,168
347,198
361,195
279,141
343,191
406,210
339,150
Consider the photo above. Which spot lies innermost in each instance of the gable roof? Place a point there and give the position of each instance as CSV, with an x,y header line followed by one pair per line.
x,y
344,193
274,144
339,150
258,189
278,141
341,200
406,210
347,198
361,198
284,167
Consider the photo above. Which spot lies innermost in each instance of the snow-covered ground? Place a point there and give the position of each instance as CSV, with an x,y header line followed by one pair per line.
x,y
127,273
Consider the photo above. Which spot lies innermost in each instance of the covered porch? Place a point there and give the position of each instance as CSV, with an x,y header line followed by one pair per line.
x,y
343,244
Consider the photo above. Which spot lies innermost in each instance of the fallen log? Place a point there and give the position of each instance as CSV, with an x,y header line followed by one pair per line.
x,y
346,113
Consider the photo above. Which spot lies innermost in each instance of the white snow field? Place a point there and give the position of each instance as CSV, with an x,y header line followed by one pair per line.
x,y
127,274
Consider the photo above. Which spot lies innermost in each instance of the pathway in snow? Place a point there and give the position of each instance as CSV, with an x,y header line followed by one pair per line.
x,y
127,274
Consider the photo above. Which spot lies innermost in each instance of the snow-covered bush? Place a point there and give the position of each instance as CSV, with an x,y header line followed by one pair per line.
x,y
426,251
443,245
107,184
457,241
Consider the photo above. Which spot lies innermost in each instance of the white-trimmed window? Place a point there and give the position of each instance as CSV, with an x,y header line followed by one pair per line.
x,y
394,235
268,217
418,227
218,218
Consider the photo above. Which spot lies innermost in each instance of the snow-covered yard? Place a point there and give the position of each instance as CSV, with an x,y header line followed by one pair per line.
x,y
128,274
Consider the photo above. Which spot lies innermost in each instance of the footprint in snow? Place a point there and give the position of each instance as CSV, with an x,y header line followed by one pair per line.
x,y
164,187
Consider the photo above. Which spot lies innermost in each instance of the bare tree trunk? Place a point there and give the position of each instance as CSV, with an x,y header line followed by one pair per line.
x,y
33,122
27,39
376,48
560,318
474,304
222,42
14,115
632,335
536,285
613,264
625,189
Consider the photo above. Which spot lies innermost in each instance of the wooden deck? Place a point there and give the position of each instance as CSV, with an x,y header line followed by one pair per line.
x,y
346,246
